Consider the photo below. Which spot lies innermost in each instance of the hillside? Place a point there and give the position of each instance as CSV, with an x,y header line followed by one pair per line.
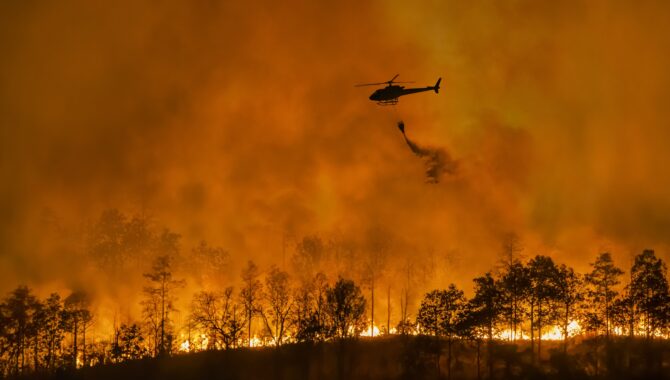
x,y
398,358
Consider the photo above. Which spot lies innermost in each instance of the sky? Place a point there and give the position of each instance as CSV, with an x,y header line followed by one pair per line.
x,y
239,123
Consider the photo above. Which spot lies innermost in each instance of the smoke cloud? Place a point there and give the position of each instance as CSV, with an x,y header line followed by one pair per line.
x,y
437,160
238,124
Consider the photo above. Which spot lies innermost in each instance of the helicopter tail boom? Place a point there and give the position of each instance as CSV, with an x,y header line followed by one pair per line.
x,y
437,85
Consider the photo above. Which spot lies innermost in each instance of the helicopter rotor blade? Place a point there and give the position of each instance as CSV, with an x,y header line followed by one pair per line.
x,y
390,82
369,84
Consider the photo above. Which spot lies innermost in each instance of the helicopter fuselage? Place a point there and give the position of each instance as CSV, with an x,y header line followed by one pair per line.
x,y
391,93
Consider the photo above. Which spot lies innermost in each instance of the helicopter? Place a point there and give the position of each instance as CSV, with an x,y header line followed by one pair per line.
x,y
388,95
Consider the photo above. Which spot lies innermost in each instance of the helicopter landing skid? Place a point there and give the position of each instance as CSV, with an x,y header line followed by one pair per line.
x,y
389,102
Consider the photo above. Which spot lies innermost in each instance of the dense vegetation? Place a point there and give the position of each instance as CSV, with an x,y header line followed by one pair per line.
x,y
605,327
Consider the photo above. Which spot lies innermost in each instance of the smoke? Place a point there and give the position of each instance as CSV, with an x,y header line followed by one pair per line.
x,y
237,123
437,160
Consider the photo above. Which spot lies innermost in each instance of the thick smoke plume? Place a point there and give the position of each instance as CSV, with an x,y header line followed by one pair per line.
x,y
236,123
437,160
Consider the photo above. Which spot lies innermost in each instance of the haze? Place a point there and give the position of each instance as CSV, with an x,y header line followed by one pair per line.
x,y
239,124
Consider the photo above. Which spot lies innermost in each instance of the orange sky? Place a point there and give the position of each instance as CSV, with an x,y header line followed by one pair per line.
x,y
239,123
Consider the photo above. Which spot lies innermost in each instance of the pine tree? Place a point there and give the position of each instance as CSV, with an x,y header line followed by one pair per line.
x,y
649,291
601,293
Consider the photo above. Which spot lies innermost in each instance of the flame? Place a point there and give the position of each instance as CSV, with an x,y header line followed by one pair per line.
x,y
370,331
553,333
189,345
256,342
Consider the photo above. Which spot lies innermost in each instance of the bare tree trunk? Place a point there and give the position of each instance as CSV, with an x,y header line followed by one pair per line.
x,y
249,327
162,347
449,357
74,350
539,332
83,341
490,349
479,374
565,329
372,307
35,355
514,313
532,331
607,314
388,311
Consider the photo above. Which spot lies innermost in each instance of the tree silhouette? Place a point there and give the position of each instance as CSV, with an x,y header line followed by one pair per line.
x,y
600,293
129,343
514,283
377,247
472,326
486,310
308,313
515,287
345,306
278,297
217,314
53,324
18,311
77,318
250,294
543,291
649,292
159,299
439,315
570,295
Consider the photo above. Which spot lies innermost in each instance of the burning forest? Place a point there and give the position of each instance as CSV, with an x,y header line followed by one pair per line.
x,y
324,292
220,189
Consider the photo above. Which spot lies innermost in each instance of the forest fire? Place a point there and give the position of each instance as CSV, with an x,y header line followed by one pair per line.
x,y
370,331
276,307
204,183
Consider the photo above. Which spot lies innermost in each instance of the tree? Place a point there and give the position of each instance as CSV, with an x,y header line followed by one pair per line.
x,y
250,294
439,315
408,273
35,332
649,292
105,241
209,262
114,238
544,289
600,293
18,311
159,299
309,254
53,324
217,314
486,310
137,238
278,297
472,327
129,344
308,314
514,283
345,307
570,295
78,318
377,247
